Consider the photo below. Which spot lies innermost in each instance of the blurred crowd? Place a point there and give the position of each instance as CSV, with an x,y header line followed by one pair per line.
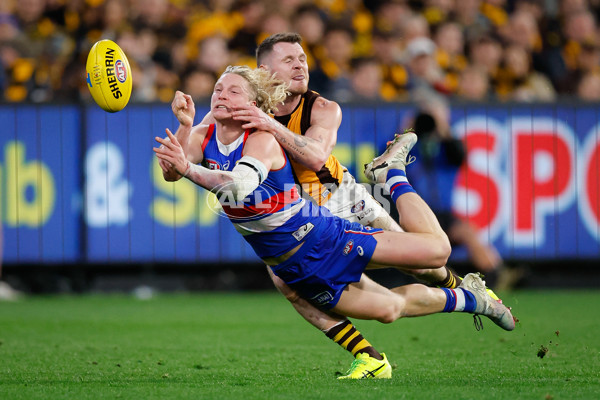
x,y
386,50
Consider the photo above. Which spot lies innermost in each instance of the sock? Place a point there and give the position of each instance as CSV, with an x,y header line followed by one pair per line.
x,y
347,336
397,184
452,280
459,300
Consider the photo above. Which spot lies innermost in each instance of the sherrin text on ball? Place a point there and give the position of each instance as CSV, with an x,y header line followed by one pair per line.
x,y
109,76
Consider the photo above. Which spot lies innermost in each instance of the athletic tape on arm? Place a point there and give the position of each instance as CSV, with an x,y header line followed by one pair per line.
x,y
247,174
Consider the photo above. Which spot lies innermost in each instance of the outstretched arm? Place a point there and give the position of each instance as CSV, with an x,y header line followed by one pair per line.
x,y
259,156
187,134
311,149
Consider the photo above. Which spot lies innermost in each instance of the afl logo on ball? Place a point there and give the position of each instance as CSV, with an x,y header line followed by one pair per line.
x,y
120,71
348,247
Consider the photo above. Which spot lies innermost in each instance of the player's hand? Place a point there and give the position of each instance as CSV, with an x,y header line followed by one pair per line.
x,y
171,152
166,166
184,109
255,118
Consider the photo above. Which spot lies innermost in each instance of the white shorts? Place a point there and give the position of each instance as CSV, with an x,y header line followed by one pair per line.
x,y
353,202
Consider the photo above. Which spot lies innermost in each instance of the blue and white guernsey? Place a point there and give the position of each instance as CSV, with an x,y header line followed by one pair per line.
x,y
273,218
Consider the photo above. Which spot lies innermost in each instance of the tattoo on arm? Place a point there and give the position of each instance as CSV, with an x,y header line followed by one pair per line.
x,y
300,141
295,147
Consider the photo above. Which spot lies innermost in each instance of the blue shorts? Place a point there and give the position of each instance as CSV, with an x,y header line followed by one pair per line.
x,y
330,258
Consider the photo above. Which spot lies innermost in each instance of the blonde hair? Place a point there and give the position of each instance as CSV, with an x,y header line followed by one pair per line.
x,y
265,89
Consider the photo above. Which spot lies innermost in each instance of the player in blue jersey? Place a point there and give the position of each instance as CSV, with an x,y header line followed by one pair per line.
x,y
321,256
306,126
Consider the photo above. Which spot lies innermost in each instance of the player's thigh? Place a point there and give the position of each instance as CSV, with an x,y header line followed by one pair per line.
x,y
369,285
374,304
410,250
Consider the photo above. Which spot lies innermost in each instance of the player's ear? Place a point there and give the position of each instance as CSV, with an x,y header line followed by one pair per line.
x,y
263,66
253,103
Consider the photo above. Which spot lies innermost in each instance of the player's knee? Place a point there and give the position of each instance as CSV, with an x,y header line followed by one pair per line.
x,y
291,295
389,314
442,250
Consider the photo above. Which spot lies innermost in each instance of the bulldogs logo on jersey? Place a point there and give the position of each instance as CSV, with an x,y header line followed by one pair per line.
x,y
348,247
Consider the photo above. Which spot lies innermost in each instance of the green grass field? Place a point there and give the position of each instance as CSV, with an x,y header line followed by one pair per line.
x,y
254,346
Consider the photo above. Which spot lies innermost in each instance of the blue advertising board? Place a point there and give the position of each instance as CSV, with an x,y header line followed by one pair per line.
x,y
79,185
40,183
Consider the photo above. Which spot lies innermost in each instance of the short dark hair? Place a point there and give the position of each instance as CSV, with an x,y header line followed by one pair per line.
x,y
266,46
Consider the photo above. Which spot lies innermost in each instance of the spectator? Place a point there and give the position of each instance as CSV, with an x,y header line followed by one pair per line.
x,y
534,8
309,22
337,56
522,29
244,41
199,83
473,23
473,84
43,43
414,26
214,55
589,87
437,12
588,62
159,17
518,81
217,20
485,52
424,71
390,15
450,56
140,48
288,8
579,28
116,19
494,11
38,48
387,50
366,79
166,80
272,23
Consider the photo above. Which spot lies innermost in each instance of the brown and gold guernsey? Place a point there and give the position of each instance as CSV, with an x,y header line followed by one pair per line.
x,y
319,185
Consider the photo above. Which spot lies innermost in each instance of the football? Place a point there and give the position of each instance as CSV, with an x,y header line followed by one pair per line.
x,y
109,76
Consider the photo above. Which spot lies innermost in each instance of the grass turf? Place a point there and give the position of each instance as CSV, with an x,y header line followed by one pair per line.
x,y
254,346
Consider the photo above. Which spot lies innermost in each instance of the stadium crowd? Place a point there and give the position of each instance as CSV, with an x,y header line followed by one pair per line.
x,y
385,50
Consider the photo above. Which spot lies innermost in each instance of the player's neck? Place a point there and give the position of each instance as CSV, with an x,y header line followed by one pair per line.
x,y
289,105
229,130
